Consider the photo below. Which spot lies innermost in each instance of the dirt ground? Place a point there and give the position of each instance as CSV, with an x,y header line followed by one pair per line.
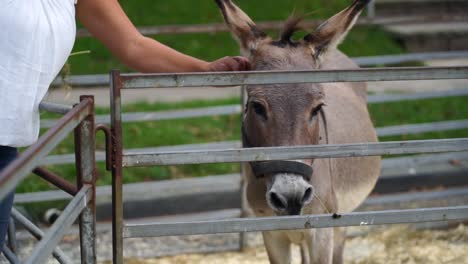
x,y
397,244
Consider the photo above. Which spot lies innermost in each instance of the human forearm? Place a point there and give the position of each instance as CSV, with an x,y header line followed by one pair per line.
x,y
148,55
107,22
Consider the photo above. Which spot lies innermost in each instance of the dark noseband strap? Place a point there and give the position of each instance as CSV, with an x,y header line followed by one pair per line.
x,y
262,168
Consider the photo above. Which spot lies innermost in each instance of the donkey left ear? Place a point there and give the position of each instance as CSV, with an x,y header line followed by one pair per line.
x,y
241,26
330,33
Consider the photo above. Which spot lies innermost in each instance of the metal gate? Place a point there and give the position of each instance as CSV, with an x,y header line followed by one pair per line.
x,y
119,160
80,120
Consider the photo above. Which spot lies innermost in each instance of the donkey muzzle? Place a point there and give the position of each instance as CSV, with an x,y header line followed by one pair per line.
x,y
262,168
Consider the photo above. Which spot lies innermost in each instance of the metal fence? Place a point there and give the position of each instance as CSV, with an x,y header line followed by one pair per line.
x,y
103,79
80,120
151,158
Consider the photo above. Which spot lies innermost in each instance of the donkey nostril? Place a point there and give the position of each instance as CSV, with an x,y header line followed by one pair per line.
x,y
307,195
277,202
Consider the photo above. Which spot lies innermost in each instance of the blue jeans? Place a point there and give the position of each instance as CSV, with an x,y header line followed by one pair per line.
x,y
7,155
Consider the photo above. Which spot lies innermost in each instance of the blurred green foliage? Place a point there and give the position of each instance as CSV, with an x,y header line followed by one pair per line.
x,y
362,41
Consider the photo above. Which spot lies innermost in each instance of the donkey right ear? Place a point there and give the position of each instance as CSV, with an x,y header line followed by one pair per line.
x,y
241,26
330,34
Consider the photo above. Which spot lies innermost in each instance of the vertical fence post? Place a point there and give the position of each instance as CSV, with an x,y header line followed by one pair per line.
x,y
116,142
242,236
86,174
12,242
371,10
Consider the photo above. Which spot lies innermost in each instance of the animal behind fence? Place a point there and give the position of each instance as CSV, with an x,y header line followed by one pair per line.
x,y
304,114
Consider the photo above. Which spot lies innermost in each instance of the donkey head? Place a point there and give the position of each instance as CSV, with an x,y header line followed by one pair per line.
x,y
285,115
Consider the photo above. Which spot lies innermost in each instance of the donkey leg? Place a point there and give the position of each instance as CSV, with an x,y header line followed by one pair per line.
x,y
320,244
339,235
305,256
278,247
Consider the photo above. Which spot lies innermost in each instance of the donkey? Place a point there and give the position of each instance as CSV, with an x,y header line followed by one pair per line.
x,y
304,114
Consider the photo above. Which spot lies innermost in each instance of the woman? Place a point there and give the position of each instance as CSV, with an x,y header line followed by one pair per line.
x,y
36,39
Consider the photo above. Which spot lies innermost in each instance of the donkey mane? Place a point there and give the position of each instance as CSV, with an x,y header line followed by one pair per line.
x,y
291,26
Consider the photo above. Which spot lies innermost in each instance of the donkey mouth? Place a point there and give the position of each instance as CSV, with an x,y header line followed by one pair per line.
x,y
288,194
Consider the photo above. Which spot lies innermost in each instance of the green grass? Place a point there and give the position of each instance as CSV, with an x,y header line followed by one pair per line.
x,y
362,41
221,128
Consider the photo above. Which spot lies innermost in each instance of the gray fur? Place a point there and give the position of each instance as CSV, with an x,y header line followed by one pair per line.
x,y
279,115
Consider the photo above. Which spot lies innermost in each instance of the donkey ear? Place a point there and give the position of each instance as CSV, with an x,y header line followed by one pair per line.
x,y
330,33
241,26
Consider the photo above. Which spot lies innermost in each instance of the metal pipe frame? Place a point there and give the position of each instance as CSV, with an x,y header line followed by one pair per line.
x,y
82,115
55,108
297,222
103,79
12,242
132,81
295,152
417,56
36,232
235,109
119,160
244,210
116,140
371,10
56,180
386,98
30,158
50,240
10,255
165,115
421,128
85,144
108,135
381,131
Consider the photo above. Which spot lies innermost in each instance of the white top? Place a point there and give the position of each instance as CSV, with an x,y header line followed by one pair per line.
x,y
36,38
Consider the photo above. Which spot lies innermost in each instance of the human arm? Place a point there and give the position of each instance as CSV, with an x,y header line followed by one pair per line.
x,y
106,20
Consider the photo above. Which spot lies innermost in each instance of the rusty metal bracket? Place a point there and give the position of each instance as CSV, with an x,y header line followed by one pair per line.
x,y
107,133
56,180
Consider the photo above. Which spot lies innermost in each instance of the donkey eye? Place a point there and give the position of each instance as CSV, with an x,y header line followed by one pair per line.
x,y
259,109
315,111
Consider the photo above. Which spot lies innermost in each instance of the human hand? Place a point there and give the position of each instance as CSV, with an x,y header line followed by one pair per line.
x,y
229,63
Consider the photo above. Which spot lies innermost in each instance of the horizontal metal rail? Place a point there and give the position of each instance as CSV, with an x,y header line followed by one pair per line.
x,y
175,114
296,222
287,77
38,234
103,79
30,158
101,156
163,115
265,25
381,131
295,152
391,167
400,58
416,196
44,196
236,109
170,193
84,80
54,107
386,98
422,128
50,240
423,160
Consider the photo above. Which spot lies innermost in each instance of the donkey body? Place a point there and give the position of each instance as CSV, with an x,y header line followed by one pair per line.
x,y
304,114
